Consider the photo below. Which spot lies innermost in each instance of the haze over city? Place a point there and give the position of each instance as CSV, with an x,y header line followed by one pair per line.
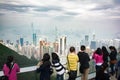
x,y
74,18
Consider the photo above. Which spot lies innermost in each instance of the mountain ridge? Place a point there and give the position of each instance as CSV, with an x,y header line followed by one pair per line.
x,y
22,60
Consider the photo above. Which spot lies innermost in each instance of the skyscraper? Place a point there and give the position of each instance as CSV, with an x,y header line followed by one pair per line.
x,y
93,36
34,39
34,35
86,40
93,45
17,41
62,45
21,41
56,46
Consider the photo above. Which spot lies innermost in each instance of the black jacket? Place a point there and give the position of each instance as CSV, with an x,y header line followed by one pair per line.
x,y
84,60
44,70
113,55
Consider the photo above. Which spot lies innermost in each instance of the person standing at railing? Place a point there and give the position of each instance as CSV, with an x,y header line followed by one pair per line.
x,y
60,69
103,73
44,67
98,57
113,59
72,63
84,63
11,68
105,54
118,70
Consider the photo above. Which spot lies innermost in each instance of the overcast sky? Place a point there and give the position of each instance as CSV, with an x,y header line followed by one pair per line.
x,y
74,18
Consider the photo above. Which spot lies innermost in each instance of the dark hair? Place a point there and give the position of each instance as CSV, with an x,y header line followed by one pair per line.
x,y
83,47
113,48
55,57
46,57
99,51
110,47
72,49
9,60
104,48
105,53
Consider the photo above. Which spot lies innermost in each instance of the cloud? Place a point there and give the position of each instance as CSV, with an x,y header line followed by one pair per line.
x,y
1,14
47,8
116,1
103,7
14,7
71,13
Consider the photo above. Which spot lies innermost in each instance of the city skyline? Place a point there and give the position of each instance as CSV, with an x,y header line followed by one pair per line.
x,y
73,18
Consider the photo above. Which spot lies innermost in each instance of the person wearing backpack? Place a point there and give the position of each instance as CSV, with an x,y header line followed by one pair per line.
x,y
11,68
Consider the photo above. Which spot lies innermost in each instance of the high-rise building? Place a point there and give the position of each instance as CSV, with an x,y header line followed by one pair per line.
x,y
8,41
44,48
86,40
93,36
34,39
41,48
1,41
21,41
56,46
17,41
62,45
93,45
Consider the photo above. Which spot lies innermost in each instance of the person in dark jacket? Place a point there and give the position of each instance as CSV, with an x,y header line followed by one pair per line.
x,y
105,54
44,68
113,59
84,63
102,74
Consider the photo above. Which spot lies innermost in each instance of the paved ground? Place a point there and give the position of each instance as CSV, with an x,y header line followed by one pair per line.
x,y
93,75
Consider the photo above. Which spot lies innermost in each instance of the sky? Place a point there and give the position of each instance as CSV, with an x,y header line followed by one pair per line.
x,y
72,18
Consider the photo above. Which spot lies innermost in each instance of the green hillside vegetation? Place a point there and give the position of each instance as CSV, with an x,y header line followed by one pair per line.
x,y
22,60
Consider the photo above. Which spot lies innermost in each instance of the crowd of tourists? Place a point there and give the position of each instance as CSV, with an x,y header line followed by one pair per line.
x,y
106,65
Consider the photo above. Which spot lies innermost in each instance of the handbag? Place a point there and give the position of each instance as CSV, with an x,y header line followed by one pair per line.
x,y
4,77
113,61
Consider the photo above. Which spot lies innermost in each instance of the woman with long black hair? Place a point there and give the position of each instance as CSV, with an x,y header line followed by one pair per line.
x,y
105,54
11,68
44,67
113,59
98,57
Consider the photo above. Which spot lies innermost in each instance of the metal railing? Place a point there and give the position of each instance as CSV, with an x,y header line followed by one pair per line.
x,y
30,74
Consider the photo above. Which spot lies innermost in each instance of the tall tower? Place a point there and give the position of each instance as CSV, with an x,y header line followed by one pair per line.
x,y
93,36
34,39
62,45
34,35
56,34
86,40
21,41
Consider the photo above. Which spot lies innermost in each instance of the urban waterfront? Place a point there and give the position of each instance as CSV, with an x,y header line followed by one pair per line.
x,y
31,28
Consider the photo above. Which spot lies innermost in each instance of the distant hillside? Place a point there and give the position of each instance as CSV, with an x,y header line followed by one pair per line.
x,y
22,60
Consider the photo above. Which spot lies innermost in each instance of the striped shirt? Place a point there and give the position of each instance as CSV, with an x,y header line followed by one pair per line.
x,y
59,68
